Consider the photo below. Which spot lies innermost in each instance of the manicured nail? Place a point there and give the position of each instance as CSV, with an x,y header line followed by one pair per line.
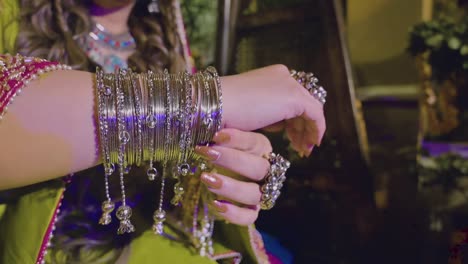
x,y
211,180
221,137
207,152
220,206
309,149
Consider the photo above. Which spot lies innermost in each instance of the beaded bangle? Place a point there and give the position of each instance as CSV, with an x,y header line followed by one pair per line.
x,y
310,82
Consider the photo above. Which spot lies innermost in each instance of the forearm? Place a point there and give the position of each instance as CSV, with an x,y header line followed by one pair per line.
x,y
50,130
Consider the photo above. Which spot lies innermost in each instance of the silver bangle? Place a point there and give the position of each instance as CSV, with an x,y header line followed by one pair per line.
x,y
155,118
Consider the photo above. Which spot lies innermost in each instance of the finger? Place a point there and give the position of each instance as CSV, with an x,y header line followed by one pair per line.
x,y
312,111
250,142
308,137
235,214
276,127
294,135
248,165
247,193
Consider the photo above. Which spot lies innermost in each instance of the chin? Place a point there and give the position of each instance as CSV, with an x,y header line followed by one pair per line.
x,y
112,3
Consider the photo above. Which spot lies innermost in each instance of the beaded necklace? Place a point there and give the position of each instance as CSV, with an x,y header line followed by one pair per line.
x,y
104,48
120,42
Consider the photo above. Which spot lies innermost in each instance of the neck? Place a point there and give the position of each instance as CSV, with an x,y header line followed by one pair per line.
x,y
115,22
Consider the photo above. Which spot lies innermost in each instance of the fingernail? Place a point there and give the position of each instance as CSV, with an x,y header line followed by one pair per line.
x,y
309,149
211,181
221,137
207,152
220,206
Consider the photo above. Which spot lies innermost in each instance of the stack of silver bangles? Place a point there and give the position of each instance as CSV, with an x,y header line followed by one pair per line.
x,y
310,82
154,117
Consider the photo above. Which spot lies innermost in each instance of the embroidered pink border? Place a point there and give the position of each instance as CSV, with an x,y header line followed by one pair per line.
x,y
16,72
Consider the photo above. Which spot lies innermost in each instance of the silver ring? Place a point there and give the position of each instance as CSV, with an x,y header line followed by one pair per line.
x,y
274,180
310,82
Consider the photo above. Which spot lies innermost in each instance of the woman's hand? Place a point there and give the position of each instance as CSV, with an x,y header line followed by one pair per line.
x,y
237,153
270,97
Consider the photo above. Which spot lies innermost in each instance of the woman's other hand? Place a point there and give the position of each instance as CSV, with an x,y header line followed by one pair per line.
x,y
270,98
237,156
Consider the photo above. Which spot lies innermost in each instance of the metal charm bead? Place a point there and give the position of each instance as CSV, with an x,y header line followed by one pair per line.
x,y
124,137
203,166
107,207
208,122
152,173
310,82
274,180
107,91
151,121
108,170
178,193
159,217
184,169
123,214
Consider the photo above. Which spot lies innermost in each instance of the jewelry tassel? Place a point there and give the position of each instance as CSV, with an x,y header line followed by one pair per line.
x,y
159,215
205,233
185,141
103,94
107,206
151,122
124,212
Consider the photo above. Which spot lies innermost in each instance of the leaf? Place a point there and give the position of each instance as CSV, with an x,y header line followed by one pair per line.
x,y
465,65
464,50
435,41
454,43
428,163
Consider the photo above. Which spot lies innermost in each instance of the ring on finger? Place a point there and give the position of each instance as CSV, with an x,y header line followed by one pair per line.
x,y
274,180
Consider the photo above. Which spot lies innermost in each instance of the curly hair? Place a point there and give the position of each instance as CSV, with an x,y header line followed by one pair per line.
x,y
48,29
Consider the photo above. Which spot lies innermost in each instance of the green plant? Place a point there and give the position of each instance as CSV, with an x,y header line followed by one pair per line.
x,y
200,20
444,39
444,170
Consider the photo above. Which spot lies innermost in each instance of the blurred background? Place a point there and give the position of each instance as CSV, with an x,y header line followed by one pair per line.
x,y
389,183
